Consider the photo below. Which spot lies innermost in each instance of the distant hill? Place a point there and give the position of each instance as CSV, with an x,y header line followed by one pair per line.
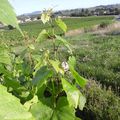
x,y
97,10
106,6
33,13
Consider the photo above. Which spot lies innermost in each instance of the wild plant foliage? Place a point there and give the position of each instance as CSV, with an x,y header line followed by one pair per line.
x,y
38,86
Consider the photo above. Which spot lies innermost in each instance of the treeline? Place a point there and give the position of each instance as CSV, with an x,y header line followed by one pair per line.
x,y
98,11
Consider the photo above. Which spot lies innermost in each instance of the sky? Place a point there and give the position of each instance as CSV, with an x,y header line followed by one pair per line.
x,y
28,6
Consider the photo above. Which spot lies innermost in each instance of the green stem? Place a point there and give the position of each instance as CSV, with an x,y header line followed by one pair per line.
x,y
53,94
54,49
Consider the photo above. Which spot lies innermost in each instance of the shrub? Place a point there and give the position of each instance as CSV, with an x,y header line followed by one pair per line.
x,y
10,27
101,104
103,24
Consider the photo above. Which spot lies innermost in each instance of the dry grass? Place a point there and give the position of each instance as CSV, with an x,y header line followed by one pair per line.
x,y
112,27
74,32
95,30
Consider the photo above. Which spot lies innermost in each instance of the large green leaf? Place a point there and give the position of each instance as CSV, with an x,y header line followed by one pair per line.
x,y
42,36
7,15
74,96
72,61
29,103
41,76
41,111
79,79
60,40
11,108
61,24
62,112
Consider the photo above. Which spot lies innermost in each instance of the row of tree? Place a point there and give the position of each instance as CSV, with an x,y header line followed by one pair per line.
x,y
89,12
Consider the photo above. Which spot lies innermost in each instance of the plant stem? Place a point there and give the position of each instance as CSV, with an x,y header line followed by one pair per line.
x,y
53,94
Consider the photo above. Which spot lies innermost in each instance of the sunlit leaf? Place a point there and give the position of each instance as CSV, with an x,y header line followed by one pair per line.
x,y
79,79
11,108
72,61
61,24
72,93
74,96
29,103
82,101
7,15
45,17
56,66
60,40
42,36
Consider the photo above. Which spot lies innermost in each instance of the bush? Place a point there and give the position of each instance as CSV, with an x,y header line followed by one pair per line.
x,y
10,27
101,104
103,24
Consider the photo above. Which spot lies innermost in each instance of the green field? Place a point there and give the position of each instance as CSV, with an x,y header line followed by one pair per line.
x,y
13,37
87,22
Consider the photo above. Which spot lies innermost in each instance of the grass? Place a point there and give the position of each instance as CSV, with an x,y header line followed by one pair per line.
x,y
12,37
86,22
98,58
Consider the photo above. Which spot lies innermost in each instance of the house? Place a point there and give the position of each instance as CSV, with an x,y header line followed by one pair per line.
x,y
35,19
20,21
28,20
96,13
105,12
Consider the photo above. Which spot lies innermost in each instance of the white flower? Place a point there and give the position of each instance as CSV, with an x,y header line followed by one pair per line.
x,y
65,66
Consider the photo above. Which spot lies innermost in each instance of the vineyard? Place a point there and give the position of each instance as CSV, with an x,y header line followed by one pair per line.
x,y
59,68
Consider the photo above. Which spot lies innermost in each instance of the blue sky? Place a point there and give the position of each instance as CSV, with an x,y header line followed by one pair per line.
x,y
26,6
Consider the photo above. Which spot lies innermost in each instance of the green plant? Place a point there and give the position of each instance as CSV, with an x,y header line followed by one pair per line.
x,y
101,104
98,58
10,27
39,81
103,24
